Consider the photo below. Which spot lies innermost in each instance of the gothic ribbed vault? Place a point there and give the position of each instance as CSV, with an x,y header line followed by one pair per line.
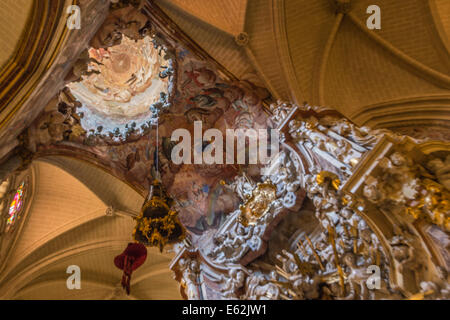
x,y
397,76
78,111
66,223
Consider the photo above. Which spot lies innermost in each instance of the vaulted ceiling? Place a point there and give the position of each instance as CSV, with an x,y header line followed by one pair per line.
x,y
300,50
38,51
66,224
14,15
312,51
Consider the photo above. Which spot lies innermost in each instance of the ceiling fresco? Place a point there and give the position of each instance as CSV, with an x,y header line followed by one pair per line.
x,y
337,199
108,117
122,82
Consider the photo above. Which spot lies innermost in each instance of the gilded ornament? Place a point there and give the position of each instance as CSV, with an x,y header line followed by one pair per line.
x,y
330,177
258,204
158,225
433,204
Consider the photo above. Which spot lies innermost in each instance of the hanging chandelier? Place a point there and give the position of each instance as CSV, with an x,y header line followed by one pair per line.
x,y
157,224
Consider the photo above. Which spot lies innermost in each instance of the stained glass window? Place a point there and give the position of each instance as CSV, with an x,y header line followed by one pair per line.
x,y
16,204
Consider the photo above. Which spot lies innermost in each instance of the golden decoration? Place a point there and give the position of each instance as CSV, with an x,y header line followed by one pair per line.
x,y
258,204
433,204
305,268
333,277
355,236
420,295
331,239
157,225
316,256
345,201
301,247
330,177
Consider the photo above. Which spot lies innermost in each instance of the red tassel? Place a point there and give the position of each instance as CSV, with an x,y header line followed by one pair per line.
x,y
127,270
132,258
